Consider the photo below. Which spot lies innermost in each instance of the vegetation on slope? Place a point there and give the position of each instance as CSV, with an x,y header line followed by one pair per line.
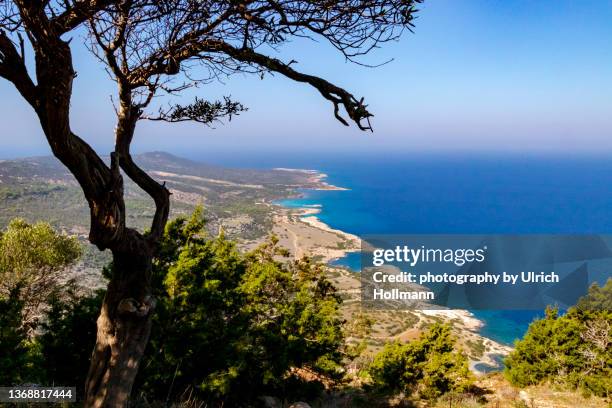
x,y
230,327
572,350
234,327
41,188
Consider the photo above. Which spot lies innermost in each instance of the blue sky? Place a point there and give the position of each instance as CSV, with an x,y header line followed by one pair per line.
x,y
477,75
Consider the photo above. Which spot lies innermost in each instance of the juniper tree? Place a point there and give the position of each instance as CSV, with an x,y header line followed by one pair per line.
x,y
33,259
149,48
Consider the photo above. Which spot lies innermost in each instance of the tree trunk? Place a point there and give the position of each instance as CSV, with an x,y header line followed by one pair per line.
x,y
124,326
124,323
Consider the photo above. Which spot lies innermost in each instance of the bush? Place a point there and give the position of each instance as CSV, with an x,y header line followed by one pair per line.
x,y
229,326
429,366
32,260
34,257
15,357
573,350
68,338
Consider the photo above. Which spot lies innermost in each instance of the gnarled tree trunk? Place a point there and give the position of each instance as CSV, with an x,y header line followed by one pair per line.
x,y
124,325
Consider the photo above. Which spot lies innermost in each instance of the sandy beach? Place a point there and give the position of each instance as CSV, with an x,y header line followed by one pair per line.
x,y
304,234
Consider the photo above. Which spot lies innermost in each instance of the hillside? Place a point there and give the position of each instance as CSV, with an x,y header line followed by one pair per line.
x,y
41,188
241,202
237,200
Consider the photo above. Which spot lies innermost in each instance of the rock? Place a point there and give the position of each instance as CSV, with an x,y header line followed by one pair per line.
x,y
270,402
524,396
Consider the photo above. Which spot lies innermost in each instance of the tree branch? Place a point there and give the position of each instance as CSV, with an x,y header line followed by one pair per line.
x,y
13,69
129,114
356,109
200,111
76,15
158,192
51,100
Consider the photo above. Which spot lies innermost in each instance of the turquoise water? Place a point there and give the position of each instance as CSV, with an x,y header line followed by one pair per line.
x,y
403,193
453,194
352,260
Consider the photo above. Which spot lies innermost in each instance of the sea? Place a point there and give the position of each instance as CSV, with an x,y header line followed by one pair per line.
x,y
485,193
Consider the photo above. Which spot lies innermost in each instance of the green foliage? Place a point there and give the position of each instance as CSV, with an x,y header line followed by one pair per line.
x,y
550,345
31,259
574,349
229,325
68,336
598,298
429,365
28,250
14,349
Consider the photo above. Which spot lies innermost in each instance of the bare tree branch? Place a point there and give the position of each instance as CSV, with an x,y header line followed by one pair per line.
x,y
356,109
13,68
77,13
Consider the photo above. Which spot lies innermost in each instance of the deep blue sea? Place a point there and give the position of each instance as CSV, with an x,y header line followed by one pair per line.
x,y
451,193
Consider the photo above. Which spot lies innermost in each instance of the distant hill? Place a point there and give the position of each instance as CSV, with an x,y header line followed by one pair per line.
x,y
239,200
40,188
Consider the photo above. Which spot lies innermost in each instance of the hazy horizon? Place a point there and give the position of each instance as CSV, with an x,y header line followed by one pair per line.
x,y
299,158
476,76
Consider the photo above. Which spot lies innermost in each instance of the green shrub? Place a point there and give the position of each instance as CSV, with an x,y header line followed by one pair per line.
x,y
68,337
229,326
15,358
574,349
32,260
429,365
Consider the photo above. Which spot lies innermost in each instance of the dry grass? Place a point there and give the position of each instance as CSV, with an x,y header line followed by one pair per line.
x,y
505,395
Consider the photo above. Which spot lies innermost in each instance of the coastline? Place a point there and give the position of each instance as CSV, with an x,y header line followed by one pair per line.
x,y
304,234
316,177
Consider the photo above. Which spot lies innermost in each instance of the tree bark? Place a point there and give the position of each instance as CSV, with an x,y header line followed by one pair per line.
x,y
124,323
125,320
124,326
